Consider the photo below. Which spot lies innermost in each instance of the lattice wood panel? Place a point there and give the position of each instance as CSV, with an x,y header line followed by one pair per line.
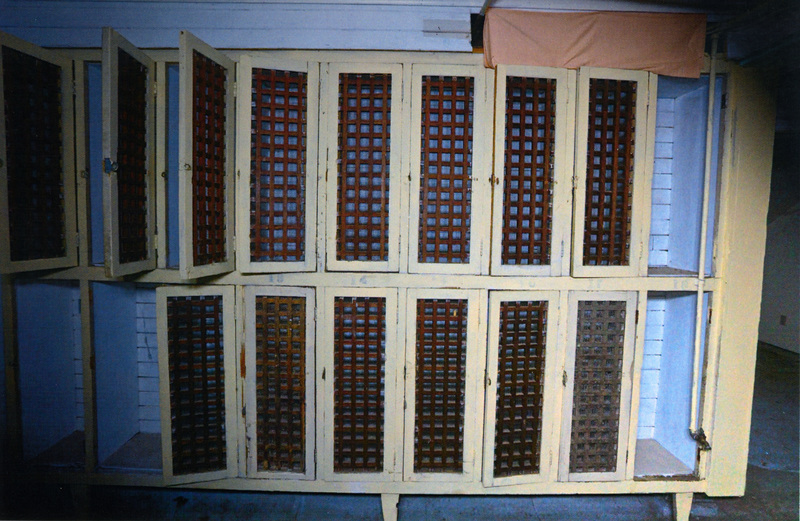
x,y
445,178
209,85
609,172
359,372
597,386
441,359
132,158
520,388
362,231
529,160
196,383
34,157
278,166
280,336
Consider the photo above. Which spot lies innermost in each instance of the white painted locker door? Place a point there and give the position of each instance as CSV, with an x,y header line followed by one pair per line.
x,y
522,388
129,157
197,383
37,177
445,360
279,391
206,156
277,165
615,132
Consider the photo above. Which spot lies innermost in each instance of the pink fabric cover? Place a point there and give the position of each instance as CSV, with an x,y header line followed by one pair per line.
x,y
665,43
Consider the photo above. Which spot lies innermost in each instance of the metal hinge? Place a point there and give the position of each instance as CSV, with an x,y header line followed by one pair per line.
x,y
724,101
700,437
323,373
636,317
244,411
564,379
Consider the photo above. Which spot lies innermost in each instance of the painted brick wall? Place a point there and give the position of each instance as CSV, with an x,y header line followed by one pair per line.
x,y
662,182
147,347
651,365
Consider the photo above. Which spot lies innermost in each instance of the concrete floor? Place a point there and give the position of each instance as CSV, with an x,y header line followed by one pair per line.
x,y
772,485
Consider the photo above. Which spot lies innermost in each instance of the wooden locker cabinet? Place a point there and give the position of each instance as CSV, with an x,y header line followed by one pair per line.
x,y
438,278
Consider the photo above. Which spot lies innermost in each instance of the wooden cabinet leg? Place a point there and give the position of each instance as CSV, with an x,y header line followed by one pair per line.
x,y
682,505
389,505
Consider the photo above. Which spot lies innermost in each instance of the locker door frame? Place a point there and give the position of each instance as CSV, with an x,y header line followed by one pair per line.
x,y
70,257
393,387
188,270
329,135
626,392
229,366
473,394
561,215
644,136
244,78
481,200
112,42
551,395
249,435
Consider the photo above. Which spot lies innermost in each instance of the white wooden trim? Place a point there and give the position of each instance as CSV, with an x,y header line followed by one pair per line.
x,y
161,165
630,297
392,426
473,394
636,380
70,257
112,42
561,237
643,156
243,170
188,44
249,387
229,355
330,125
481,167
550,410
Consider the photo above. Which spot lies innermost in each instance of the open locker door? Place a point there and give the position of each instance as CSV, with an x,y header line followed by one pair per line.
x,y
37,164
206,132
129,158
197,383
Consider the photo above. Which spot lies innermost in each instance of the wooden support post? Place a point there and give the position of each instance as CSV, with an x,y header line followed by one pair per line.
x,y
681,506
389,505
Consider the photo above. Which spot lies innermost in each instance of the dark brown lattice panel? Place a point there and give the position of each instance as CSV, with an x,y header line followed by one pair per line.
x,y
520,388
36,214
359,367
132,158
362,231
597,386
196,383
446,169
528,170
209,84
440,385
278,166
609,172
281,382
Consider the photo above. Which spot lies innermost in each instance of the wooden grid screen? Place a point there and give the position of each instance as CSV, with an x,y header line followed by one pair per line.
x,y
440,385
132,158
278,166
196,383
520,388
597,386
281,383
34,160
209,85
362,231
609,172
446,169
359,372
528,170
